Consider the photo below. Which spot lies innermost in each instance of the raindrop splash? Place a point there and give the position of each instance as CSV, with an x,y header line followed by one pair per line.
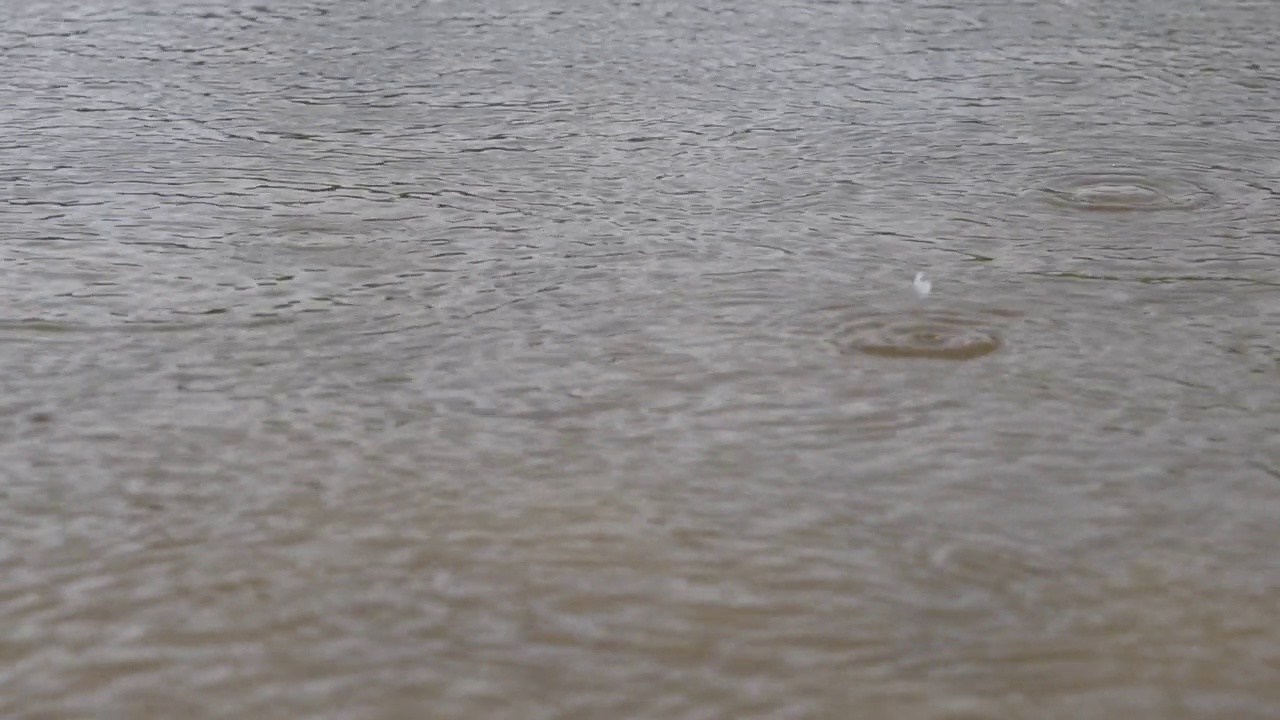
x,y
922,285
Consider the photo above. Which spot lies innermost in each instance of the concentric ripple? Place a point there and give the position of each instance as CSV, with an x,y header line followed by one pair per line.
x,y
1124,192
939,334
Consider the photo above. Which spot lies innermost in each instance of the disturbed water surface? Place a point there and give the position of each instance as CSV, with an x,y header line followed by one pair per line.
x,y
512,359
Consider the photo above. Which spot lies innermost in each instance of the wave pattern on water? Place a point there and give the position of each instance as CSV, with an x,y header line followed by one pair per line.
x,y
519,361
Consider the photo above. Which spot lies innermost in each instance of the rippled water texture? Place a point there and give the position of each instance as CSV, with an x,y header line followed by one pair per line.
x,y
1120,191
513,359
931,334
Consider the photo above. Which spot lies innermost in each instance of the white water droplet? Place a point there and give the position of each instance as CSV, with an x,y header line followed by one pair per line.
x,y
922,285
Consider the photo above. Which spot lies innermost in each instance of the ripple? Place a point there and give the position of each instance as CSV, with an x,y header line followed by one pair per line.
x,y
1123,191
938,334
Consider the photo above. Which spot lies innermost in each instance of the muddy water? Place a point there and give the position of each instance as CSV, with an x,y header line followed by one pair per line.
x,y
532,360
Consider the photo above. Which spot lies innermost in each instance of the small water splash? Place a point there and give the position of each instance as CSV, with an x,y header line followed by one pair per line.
x,y
922,285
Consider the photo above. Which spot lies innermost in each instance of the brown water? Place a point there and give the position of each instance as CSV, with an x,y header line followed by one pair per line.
x,y
518,360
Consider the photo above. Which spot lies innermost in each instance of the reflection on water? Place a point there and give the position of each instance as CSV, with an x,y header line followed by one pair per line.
x,y
427,359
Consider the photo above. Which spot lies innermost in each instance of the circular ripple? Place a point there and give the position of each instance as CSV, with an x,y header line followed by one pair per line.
x,y
1124,192
922,333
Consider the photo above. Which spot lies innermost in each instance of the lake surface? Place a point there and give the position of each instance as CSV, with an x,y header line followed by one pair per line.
x,y
561,360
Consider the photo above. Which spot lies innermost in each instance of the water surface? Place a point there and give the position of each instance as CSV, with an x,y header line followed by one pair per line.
x,y
405,359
